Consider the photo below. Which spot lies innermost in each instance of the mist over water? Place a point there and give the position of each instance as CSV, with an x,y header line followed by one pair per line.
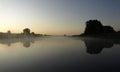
x,y
59,54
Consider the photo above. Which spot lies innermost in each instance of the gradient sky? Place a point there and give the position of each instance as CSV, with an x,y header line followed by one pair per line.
x,y
57,17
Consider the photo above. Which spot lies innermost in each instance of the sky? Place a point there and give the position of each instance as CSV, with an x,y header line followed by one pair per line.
x,y
57,17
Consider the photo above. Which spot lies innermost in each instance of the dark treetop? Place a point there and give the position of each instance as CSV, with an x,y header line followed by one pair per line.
x,y
95,28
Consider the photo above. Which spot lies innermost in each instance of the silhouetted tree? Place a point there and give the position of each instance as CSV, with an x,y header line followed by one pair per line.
x,y
96,27
33,33
26,31
9,32
65,35
108,29
93,27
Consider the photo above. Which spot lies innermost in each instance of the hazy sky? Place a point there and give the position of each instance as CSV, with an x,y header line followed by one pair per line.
x,y
57,17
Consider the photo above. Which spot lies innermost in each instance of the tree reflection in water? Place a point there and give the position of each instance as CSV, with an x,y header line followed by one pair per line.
x,y
95,46
25,41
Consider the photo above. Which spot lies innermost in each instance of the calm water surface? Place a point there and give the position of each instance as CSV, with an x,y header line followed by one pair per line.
x,y
59,54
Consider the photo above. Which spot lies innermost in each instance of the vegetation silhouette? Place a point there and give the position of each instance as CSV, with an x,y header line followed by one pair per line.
x,y
9,32
95,46
27,37
26,31
94,28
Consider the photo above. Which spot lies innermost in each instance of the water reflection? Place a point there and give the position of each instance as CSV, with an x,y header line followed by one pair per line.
x,y
25,41
95,46
58,54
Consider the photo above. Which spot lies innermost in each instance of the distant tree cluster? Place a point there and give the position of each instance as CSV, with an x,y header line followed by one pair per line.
x,y
9,32
26,31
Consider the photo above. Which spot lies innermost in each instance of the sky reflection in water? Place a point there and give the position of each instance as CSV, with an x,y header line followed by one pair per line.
x,y
59,54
